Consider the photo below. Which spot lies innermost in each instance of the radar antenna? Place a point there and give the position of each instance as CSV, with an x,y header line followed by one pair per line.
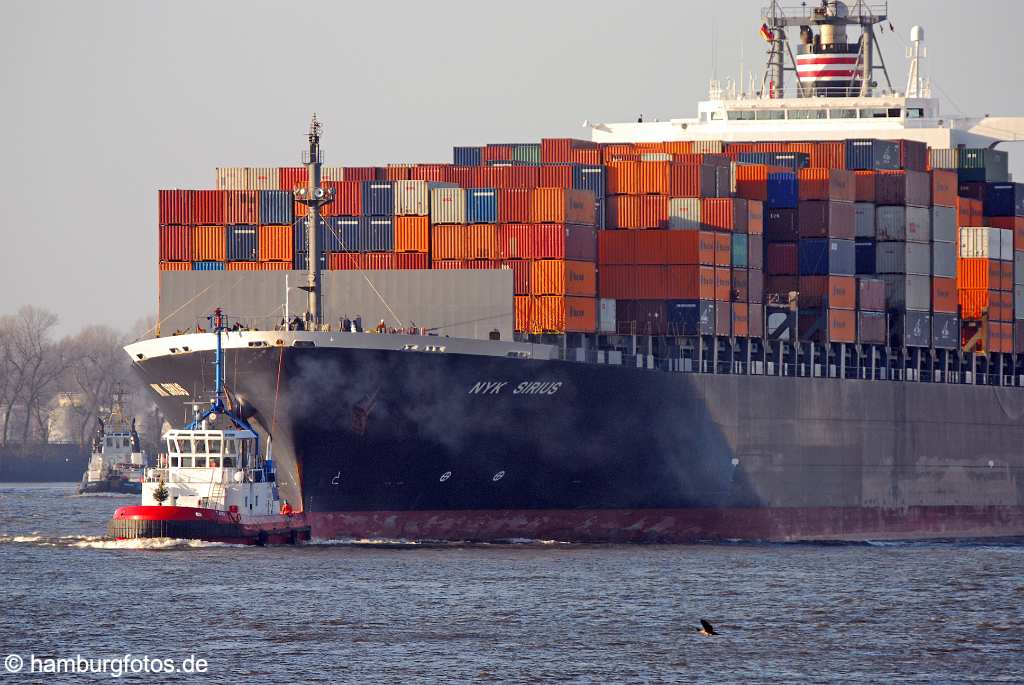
x,y
314,197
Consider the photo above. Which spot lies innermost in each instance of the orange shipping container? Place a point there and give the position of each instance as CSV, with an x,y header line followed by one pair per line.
x,y
412,234
969,212
815,183
638,178
522,312
563,205
752,181
275,243
723,249
828,155
209,243
723,284
974,302
706,282
944,188
259,266
176,266
741,319
978,273
633,211
563,314
944,299
243,207
563,277
722,214
514,241
481,241
755,217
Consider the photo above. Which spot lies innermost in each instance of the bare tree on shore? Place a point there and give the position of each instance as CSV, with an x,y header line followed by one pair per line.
x,y
36,363
99,366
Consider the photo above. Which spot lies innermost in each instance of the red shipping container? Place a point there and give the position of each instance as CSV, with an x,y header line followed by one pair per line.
x,y
562,277
903,188
378,261
740,319
617,247
563,205
723,284
569,150
913,155
691,180
348,198
176,206
514,205
397,172
555,176
828,155
740,285
496,153
865,185
755,217
778,288
944,187
361,173
448,264
507,177
344,261
515,241
617,281
432,172
782,259
724,214
828,325
752,181
568,314
681,247
707,247
210,207
243,207
944,299
827,219
294,177
871,294
1006,269
649,246
631,211
723,249
827,184
834,292
465,176
176,243
412,260
563,241
969,212
520,269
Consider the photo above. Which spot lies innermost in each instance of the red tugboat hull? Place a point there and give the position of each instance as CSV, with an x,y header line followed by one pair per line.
x,y
209,525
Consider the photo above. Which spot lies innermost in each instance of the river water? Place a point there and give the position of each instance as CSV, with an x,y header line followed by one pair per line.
x,y
526,612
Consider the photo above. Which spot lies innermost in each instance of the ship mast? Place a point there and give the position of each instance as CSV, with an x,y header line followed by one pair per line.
x,y
314,197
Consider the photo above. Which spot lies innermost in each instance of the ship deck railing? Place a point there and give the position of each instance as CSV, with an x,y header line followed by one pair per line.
x,y
756,357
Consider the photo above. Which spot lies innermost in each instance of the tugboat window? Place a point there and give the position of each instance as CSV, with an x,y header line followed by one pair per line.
x,y
174,461
200,446
229,462
110,442
215,446
172,445
186,462
229,447
126,443
214,462
200,462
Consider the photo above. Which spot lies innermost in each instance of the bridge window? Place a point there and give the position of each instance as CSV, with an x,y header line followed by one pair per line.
x,y
769,114
741,115
717,116
915,113
842,114
807,114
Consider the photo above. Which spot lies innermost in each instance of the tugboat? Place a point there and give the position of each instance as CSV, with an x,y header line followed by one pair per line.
x,y
213,483
117,462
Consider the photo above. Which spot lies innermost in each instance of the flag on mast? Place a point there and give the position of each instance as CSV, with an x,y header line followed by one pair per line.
x,y
766,33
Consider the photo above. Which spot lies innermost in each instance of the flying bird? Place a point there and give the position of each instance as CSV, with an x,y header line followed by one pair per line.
x,y
706,628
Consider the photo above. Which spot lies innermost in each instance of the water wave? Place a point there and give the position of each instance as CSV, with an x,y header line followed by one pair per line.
x,y
101,542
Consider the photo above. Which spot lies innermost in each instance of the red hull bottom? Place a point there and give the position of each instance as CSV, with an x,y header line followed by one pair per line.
x,y
208,525
677,525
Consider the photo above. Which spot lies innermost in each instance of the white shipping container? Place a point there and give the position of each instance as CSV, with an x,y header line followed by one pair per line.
x,y
981,242
707,147
232,178
606,316
264,178
412,198
865,219
908,292
943,224
684,213
944,158
903,258
655,157
448,206
1006,244
332,173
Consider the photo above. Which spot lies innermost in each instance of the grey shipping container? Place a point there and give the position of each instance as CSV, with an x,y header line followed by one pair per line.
x,y
903,258
1018,267
684,213
606,315
913,329
944,260
944,224
865,219
945,331
1018,302
412,198
903,223
1006,245
912,293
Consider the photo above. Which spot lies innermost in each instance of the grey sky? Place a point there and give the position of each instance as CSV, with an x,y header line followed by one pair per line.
x,y
105,102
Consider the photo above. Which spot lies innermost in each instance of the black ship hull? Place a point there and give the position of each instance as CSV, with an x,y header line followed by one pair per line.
x,y
412,444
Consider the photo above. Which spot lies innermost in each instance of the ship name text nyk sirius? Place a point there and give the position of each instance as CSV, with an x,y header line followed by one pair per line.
x,y
797,316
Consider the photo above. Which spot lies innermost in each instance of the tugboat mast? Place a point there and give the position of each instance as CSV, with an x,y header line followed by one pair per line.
x,y
314,197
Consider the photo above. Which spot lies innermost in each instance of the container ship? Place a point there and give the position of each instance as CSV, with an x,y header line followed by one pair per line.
x,y
797,316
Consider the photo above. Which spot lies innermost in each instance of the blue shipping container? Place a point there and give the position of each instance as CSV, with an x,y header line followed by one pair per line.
x,y
869,154
378,198
1004,199
690,317
790,160
481,205
783,191
467,156
589,177
276,207
865,259
207,266
982,164
375,234
243,243
945,331
329,235
299,261
825,256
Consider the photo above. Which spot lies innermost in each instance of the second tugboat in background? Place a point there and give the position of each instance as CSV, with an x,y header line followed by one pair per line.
x,y
216,484
117,461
